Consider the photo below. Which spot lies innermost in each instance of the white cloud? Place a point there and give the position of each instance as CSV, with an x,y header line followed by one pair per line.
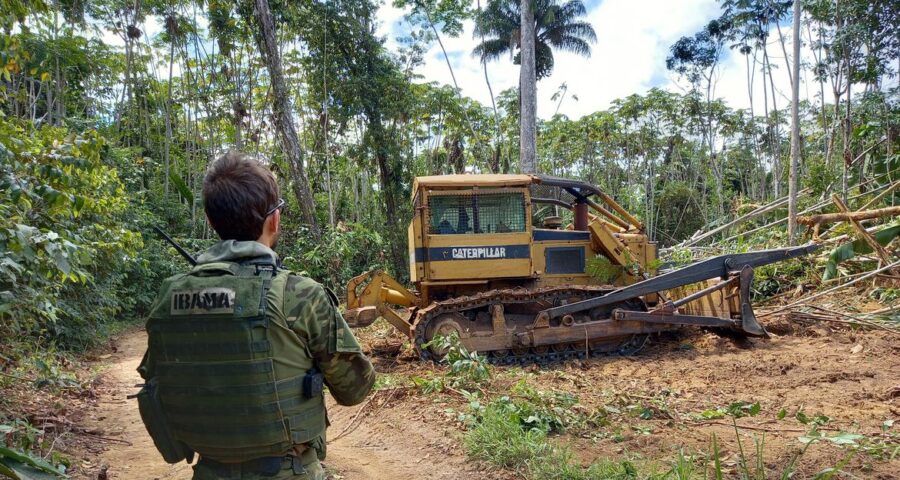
x,y
633,39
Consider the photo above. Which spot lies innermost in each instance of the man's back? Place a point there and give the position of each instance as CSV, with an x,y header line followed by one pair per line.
x,y
240,349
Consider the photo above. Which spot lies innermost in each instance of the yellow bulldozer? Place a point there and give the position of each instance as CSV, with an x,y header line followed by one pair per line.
x,y
492,261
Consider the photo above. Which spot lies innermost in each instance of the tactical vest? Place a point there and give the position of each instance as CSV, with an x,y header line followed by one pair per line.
x,y
220,388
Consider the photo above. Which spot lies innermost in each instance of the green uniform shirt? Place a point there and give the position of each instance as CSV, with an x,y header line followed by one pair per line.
x,y
307,322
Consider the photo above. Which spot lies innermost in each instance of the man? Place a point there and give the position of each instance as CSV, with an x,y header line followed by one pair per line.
x,y
239,349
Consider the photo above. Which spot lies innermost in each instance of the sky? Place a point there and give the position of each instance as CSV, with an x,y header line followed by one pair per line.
x,y
633,40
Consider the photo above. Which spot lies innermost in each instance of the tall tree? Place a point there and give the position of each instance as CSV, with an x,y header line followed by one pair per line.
x,y
535,28
527,91
795,130
697,58
282,112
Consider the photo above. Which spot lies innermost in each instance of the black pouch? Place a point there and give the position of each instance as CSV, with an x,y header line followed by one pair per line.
x,y
171,449
313,383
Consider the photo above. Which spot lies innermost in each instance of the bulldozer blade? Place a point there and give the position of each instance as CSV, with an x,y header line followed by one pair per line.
x,y
749,324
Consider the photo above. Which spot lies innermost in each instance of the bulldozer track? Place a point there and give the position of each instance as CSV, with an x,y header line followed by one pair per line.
x,y
544,354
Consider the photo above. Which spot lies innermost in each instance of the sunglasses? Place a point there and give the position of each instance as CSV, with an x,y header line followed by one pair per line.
x,y
279,206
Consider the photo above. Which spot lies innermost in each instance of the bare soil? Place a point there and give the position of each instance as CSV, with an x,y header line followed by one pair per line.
x,y
853,377
389,448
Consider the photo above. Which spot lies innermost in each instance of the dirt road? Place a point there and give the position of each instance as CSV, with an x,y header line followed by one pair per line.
x,y
362,452
401,433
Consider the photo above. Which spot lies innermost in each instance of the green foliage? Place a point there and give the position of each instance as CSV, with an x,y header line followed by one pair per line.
x,y
500,439
514,434
820,176
882,447
21,457
857,247
775,278
66,255
550,410
558,26
600,268
22,466
885,446
447,15
734,410
467,369
679,212
504,437
885,295
341,254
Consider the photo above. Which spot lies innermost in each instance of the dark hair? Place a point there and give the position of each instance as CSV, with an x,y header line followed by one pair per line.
x,y
237,193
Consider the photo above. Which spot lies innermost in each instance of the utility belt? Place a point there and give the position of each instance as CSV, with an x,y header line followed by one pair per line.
x,y
263,466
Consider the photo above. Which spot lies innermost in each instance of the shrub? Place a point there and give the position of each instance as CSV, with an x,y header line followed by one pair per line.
x,y
64,253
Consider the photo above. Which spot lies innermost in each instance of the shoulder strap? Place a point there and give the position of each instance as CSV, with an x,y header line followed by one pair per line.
x,y
267,272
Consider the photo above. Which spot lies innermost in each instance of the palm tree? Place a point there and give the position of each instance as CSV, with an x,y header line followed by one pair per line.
x,y
557,27
549,25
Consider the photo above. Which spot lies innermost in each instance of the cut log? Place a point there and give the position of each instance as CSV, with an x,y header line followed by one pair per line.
x,y
827,218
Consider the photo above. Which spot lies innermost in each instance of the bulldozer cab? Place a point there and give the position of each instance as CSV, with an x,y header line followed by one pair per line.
x,y
479,228
470,227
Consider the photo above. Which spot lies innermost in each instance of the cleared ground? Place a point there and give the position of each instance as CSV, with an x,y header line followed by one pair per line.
x,y
650,406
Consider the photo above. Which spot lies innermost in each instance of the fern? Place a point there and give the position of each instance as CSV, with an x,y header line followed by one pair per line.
x,y
602,269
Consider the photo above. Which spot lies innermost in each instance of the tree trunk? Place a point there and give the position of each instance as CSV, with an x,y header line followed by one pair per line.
x,y
751,74
767,133
284,121
795,130
824,120
498,141
527,91
168,141
848,157
714,161
778,168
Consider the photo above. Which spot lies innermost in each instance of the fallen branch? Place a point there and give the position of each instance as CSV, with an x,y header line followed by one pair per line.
x,y
830,290
755,213
826,218
841,238
82,431
881,195
762,429
866,151
852,320
866,236
359,412
813,209
16,377
880,311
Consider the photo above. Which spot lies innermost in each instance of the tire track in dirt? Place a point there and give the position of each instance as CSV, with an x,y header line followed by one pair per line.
x,y
379,447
